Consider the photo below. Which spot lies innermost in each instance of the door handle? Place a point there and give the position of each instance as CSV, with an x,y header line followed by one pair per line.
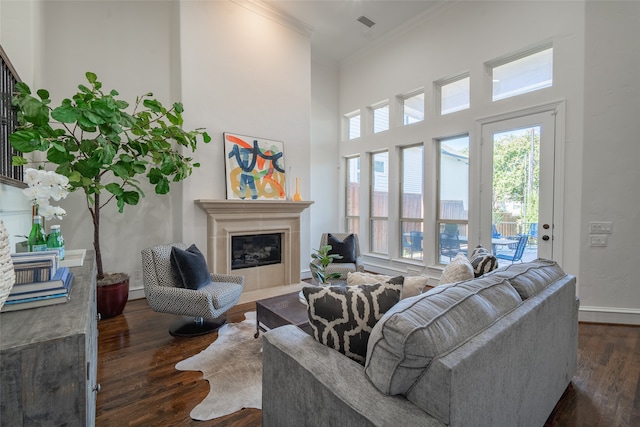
x,y
545,237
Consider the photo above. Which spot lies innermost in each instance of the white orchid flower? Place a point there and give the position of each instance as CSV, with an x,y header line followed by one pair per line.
x,y
50,212
42,186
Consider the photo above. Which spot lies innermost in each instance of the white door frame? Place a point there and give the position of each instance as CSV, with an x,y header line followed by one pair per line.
x,y
483,221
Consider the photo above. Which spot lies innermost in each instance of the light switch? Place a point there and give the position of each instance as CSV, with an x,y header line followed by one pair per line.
x,y
600,227
598,240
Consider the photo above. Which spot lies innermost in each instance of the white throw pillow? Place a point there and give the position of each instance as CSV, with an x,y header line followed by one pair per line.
x,y
413,285
358,278
459,269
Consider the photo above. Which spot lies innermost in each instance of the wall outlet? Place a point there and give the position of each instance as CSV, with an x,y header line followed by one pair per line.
x,y
598,240
600,227
137,277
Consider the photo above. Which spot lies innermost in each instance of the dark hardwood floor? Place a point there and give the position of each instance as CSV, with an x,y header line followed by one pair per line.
x,y
141,387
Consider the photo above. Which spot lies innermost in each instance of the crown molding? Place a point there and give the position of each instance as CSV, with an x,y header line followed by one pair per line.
x,y
275,15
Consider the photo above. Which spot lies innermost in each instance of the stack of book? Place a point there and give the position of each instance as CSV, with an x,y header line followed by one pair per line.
x,y
40,281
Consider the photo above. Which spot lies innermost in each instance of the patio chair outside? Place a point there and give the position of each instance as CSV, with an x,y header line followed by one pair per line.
x,y
517,255
494,232
533,233
415,238
450,245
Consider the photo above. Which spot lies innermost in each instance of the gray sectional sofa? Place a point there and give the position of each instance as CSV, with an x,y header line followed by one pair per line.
x,y
498,350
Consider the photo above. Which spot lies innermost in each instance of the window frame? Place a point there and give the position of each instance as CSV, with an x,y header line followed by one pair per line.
x,y
440,84
440,222
348,117
352,218
418,222
507,59
373,218
375,107
401,102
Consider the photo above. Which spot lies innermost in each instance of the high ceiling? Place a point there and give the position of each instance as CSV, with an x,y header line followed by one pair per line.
x,y
336,30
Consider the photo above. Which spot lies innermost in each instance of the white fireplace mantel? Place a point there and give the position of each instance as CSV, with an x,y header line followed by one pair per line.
x,y
252,206
228,218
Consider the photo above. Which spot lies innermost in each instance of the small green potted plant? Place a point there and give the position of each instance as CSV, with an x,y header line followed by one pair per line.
x,y
103,148
320,259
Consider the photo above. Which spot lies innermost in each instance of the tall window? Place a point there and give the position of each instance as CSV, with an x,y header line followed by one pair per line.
x,y
521,74
411,207
453,198
352,213
353,125
381,117
454,95
413,107
379,203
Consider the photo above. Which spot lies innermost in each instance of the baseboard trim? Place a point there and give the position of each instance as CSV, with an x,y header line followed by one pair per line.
x,y
625,316
136,293
249,296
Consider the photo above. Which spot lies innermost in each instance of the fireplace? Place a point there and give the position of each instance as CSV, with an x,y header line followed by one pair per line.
x,y
254,225
255,250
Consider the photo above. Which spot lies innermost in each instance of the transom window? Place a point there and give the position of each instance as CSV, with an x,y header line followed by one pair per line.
x,y
454,94
380,117
413,107
353,125
521,74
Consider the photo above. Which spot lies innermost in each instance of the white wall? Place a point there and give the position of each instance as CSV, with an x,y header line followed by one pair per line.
x,y
609,284
20,35
21,41
127,44
243,73
234,69
326,166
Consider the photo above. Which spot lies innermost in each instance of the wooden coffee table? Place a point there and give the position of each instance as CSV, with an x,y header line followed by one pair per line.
x,y
282,310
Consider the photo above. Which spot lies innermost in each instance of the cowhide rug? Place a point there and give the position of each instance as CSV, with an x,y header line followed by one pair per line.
x,y
233,366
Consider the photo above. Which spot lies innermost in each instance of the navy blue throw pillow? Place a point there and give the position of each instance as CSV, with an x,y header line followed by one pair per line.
x,y
190,268
346,248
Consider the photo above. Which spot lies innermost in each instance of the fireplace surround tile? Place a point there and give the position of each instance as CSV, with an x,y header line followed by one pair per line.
x,y
228,218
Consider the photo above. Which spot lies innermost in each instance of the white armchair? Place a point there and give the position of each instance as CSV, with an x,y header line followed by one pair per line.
x,y
203,306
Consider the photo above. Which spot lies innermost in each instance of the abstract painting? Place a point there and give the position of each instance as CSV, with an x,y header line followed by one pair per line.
x,y
254,167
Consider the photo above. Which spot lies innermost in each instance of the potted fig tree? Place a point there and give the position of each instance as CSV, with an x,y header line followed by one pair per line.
x,y
105,148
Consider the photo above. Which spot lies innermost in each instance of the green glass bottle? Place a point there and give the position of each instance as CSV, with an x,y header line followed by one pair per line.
x,y
55,241
37,240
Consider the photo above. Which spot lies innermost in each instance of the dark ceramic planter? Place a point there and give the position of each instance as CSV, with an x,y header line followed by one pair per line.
x,y
112,298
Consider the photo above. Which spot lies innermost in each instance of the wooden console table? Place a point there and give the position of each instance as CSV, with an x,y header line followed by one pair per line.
x,y
48,359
